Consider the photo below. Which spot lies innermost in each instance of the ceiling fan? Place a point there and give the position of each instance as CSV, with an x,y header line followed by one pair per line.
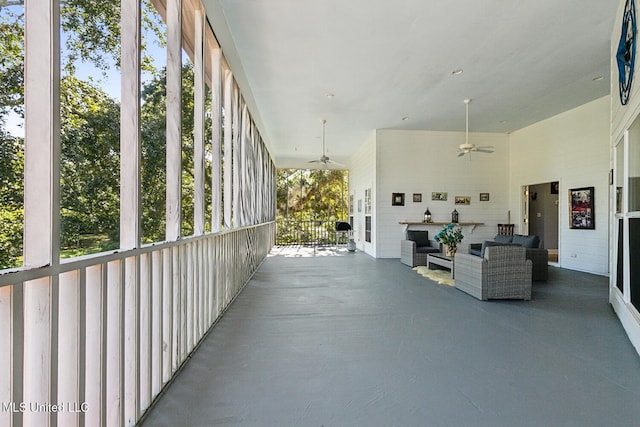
x,y
467,148
324,159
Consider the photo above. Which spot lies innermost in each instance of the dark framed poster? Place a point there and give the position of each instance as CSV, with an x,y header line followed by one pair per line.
x,y
582,208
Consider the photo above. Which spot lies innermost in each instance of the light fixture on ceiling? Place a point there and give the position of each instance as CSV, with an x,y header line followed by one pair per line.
x,y
467,148
405,118
330,95
457,71
597,79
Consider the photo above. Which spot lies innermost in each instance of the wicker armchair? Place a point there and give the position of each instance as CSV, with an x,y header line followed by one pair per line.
x,y
416,247
503,273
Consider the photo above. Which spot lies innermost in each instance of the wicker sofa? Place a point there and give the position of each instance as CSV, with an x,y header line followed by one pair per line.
x,y
503,272
415,248
534,251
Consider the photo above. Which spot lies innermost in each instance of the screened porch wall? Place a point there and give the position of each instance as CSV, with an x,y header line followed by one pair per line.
x,y
93,340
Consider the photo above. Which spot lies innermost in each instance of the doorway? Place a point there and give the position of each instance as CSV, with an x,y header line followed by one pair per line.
x,y
542,215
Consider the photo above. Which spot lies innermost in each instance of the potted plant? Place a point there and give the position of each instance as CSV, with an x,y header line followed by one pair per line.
x,y
450,236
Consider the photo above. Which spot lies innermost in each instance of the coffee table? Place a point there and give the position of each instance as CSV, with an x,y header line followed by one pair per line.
x,y
441,260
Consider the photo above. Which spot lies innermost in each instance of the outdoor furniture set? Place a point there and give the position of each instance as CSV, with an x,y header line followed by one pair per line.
x,y
500,269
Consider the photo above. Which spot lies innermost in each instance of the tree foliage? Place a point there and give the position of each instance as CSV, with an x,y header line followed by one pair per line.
x,y
153,133
312,194
90,129
90,162
91,34
11,64
11,191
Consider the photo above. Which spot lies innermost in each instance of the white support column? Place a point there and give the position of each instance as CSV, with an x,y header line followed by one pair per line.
x,y
174,119
42,134
130,205
237,166
198,121
216,138
245,170
251,178
228,133
41,199
130,126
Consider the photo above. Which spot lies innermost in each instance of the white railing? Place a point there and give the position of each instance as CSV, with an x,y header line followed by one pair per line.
x,y
116,327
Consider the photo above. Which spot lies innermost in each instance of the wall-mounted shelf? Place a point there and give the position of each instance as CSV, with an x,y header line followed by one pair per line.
x,y
473,225
439,223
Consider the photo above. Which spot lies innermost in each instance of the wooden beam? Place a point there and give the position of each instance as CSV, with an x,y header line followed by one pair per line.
x,y
174,120
130,126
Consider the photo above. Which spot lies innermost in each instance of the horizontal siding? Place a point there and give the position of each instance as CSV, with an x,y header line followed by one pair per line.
x,y
425,162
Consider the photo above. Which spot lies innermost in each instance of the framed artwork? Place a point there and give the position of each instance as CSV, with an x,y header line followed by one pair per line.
x,y
581,208
463,200
555,187
397,199
417,197
439,195
484,197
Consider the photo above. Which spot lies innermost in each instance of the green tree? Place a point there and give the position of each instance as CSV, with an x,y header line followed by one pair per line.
x,y
153,120
11,191
90,163
12,63
312,194
92,30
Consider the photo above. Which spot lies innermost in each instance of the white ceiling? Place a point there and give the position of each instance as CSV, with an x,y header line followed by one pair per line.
x,y
523,61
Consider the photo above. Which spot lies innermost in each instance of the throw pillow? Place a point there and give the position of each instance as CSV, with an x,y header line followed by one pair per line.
x,y
527,241
421,237
501,238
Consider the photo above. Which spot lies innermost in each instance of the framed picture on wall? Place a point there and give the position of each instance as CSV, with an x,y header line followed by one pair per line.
x,y
484,197
397,199
581,208
439,195
417,197
463,200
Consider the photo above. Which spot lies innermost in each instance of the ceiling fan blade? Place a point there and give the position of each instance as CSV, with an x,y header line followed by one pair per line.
x,y
484,150
462,153
335,163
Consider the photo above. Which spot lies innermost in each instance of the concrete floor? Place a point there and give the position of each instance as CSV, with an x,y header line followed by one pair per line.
x,y
330,338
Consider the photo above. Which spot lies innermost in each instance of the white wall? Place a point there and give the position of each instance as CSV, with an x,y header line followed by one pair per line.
x,y
362,175
425,162
572,148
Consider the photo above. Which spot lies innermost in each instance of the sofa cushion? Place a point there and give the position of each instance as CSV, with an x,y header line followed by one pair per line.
x,y
501,238
426,250
526,241
421,237
475,249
